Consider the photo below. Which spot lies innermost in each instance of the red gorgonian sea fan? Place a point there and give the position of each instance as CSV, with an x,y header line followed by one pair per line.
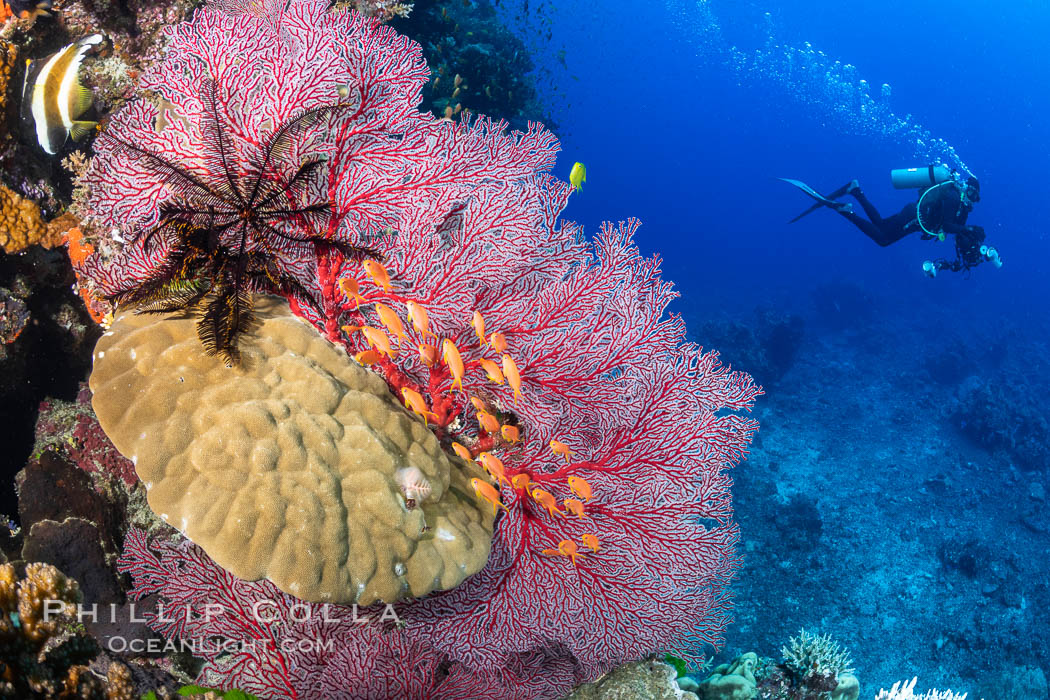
x,y
258,639
552,337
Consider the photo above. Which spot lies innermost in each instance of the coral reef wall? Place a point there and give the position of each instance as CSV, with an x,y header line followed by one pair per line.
x,y
606,436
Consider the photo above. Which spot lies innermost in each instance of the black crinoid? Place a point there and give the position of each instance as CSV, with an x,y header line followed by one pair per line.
x,y
238,229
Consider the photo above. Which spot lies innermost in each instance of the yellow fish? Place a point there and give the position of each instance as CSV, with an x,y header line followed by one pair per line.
x,y
462,451
485,492
566,548
578,176
54,98
452,358
414,402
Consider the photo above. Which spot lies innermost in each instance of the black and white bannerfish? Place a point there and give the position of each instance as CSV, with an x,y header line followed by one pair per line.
x,y
53,96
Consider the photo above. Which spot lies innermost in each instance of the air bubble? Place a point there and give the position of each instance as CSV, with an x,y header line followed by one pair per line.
x,y
831,90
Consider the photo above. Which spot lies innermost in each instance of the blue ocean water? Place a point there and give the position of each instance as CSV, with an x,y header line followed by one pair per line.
x,y
896,497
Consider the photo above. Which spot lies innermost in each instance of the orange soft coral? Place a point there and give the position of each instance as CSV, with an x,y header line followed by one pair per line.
x,y
79,249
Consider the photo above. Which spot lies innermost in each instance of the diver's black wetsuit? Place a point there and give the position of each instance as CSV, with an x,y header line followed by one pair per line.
x,y
943,209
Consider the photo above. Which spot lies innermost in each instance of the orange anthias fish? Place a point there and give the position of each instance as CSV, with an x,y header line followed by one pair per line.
x,y
392,321
379,340
492,370
498,342
510,433
428,354
368,357
590,541
452,358
378,273
488,421
479,327
462,451
493,466
580,487
348,286
566,548
520,481
477,403
510,371
415,403
575,507
484,491
417,315
546,500
560,448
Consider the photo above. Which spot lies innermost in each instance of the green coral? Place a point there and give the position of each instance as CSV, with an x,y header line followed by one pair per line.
x,y
732,681
677,664
825,675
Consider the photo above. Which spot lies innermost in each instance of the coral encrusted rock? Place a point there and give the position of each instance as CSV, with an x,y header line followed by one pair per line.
x,y
650,679
21,224
288,466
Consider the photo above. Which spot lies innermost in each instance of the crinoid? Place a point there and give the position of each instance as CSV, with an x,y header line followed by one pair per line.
x,y
235,227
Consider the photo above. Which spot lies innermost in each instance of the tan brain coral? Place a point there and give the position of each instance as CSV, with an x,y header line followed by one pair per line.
x,y
292,466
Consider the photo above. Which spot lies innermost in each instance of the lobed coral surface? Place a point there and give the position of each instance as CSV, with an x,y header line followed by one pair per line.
x,y
287,466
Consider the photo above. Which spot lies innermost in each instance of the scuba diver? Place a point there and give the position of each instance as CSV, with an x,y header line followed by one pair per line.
x,y
944,203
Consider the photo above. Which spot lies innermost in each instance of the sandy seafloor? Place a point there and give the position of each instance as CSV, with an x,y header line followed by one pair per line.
x,y
870,510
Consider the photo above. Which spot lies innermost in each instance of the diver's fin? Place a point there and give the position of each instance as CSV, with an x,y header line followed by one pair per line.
x,y
822,201
809,211
806,188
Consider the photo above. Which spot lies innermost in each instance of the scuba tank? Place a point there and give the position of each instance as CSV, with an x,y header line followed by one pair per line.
x,y
929,178
914,178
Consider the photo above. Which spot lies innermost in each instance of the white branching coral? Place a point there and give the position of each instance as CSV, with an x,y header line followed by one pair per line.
x,y
904,690
809,653
385,10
